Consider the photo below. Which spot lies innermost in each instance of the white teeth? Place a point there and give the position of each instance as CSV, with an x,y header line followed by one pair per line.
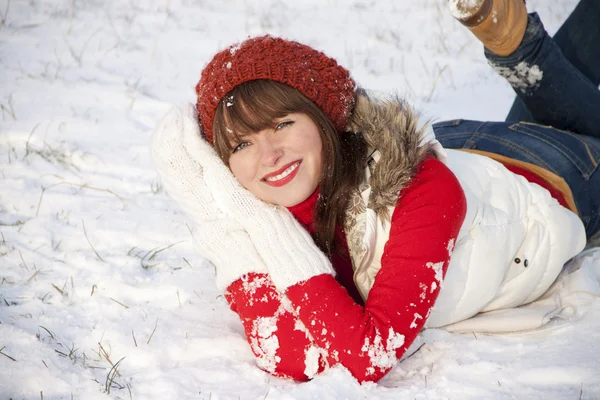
x,y
284,173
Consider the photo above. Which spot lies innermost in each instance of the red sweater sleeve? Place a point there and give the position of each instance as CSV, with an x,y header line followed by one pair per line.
x,y
369,340
316,323
278,339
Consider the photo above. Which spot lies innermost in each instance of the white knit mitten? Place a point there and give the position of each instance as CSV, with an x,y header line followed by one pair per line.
x,y
228,247
285,246
217,236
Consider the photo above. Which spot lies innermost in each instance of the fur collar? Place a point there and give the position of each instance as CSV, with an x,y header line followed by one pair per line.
x,y
391,128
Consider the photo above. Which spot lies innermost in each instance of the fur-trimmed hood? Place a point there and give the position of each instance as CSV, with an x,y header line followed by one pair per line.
x,y
394,136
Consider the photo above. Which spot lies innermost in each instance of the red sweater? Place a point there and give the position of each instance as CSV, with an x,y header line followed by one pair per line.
x,y
322,322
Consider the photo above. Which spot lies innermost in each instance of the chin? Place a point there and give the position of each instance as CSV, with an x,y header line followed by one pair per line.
x,y
287,196
292,203
285,201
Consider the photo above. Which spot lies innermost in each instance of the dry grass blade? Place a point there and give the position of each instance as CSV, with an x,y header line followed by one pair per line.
x,y
49,332
8,111
5,14
118,302
61,353
106,356
110,377
90,243
17,223
37,211
24,263
27,147
58,289
33,276
76,185
146,257
154,330
155,253
6,355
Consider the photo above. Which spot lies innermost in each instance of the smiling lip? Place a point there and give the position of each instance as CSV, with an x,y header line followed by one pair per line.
x,y
284,180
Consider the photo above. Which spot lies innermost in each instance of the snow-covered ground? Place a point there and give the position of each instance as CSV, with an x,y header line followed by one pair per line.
x,y
101,293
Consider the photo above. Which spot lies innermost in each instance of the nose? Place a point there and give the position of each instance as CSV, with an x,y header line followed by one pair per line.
x,y
271,150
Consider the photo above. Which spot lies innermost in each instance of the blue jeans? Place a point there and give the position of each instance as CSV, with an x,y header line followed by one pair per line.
x,y
579,42
573,157
558,109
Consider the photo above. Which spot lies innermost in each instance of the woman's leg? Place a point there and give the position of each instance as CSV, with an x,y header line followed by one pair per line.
x,y
553,90
575,158
579,40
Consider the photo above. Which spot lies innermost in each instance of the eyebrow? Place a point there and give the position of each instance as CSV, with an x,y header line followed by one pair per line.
x,y
237,136
235,139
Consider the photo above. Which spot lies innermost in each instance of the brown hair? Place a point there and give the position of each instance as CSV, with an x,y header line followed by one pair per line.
x,y
253,106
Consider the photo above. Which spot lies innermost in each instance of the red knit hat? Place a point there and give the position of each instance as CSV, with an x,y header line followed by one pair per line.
x,y
315,75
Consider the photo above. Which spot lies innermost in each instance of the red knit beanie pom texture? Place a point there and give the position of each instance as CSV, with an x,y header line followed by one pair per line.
x,y
314,74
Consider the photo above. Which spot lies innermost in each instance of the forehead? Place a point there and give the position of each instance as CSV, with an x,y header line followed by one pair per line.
x,y
235,136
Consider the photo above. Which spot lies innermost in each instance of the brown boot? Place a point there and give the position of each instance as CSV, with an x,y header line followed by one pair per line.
x,y
498,24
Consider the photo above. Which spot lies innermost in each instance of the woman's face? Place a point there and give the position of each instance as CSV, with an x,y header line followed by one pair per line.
x,y
280,165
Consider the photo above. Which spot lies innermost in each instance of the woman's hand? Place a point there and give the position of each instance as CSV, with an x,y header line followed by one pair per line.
x,y
286,247
177,147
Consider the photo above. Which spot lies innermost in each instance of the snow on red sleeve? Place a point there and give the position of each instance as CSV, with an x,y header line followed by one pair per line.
x,y
369,340
278,339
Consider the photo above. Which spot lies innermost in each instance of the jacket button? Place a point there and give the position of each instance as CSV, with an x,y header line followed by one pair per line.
x,y
518,260
526,263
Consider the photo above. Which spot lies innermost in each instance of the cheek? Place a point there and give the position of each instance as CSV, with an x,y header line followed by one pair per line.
x,y
242,170
319,164
319,158
314,147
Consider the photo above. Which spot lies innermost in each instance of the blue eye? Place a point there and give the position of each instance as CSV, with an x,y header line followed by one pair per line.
x,y
283,124
240,146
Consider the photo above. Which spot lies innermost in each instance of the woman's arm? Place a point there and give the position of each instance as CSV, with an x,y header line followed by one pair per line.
x,y
316,323
278,339
369,340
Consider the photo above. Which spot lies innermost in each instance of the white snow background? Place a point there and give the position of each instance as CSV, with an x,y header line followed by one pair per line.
x,y
101,293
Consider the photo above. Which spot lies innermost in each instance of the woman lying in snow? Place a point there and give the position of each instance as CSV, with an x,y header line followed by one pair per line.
x,y
340,227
